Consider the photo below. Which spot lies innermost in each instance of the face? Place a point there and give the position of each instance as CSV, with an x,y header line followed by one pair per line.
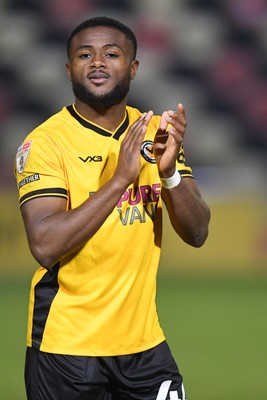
x,y
101,66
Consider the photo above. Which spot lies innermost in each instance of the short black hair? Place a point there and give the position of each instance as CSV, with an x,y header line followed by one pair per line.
x,y
104,21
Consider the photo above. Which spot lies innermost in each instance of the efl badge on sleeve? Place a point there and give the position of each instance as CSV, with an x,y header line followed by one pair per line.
x,y
22,156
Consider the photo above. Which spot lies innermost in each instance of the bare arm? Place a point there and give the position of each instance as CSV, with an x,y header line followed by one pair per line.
x,y
54,232
189,214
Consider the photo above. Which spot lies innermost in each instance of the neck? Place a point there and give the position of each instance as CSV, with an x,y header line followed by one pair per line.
x,y
109,118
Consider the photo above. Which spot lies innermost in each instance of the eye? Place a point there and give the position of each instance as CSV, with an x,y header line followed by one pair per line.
x,y
112,55
85,56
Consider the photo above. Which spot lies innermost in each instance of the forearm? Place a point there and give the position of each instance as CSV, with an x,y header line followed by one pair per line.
x,y
189,214
56,235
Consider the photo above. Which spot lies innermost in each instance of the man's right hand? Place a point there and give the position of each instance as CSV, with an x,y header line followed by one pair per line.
x,y
129,158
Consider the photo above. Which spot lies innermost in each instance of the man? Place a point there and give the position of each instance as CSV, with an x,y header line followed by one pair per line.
x,y
91,180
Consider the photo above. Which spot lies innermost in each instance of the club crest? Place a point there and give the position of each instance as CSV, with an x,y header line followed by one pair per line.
x,y
147,151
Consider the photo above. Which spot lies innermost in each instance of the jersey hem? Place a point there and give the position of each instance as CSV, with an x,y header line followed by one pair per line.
x,y
101,353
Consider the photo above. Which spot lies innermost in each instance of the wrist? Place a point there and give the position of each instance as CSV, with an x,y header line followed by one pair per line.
x,y
172,181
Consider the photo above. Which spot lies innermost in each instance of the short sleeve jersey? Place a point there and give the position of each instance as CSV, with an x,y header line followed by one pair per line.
x,y
100,300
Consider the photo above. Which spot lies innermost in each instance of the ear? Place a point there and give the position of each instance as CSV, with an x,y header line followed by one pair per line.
x,y
68,70
134,68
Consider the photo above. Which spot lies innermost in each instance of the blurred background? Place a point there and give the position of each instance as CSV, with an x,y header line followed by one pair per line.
x,y
212,57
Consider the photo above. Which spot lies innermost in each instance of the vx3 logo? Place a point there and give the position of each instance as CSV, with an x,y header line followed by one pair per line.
x,y
91,159
165,394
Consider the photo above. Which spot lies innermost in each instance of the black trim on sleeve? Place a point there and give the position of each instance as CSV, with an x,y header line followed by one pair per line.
x,y
185,173
51,192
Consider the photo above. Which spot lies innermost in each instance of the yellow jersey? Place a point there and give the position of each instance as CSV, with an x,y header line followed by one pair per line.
x,y
100,300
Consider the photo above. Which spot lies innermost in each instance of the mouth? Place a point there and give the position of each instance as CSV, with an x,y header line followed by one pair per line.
x,y
98,77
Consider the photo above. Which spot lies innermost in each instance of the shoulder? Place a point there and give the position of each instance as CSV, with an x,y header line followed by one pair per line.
x,y
53,123
41,140
48,131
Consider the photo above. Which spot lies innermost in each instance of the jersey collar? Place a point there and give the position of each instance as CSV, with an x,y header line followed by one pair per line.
x,y
101,131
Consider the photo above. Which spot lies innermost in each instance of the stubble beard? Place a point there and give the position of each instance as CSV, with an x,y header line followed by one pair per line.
x,y
105,100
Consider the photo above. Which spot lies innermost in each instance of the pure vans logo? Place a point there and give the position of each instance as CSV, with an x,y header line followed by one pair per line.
x,y
91,159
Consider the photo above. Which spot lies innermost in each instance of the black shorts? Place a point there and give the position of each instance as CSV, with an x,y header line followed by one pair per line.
x,y
149,375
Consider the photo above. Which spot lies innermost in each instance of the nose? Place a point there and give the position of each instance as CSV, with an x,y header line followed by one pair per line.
x,y
98,61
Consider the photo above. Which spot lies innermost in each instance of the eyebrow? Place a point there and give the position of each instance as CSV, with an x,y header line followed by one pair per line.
x,y
108,45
